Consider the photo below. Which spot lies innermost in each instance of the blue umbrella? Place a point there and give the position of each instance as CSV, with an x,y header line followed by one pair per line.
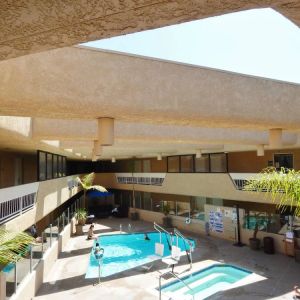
x,y
96,193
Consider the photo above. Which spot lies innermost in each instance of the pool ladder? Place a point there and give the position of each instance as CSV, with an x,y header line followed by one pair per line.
x,y
161,230
178,278
187,241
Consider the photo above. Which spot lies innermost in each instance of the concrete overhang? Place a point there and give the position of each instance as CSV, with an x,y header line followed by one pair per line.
x,y
29,26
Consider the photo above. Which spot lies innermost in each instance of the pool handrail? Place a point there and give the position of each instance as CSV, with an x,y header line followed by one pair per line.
x,y
160,229
178,278
179,234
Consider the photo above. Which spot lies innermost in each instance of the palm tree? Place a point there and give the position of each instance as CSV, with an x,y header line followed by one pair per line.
x,y
13,245
283,185
87,184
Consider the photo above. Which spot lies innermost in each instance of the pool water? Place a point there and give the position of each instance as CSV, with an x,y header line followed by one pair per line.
x,y
206,282
127,251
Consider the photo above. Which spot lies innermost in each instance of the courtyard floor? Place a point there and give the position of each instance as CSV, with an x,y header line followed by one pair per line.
x,y
278,273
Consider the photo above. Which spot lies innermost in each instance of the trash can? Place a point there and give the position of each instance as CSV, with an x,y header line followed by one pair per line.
x,y
269,245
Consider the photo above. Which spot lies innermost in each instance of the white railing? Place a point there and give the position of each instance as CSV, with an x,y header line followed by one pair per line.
x,y
16,200
240,179
141,178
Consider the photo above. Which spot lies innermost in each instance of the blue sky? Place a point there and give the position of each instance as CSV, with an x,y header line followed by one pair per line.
x,y
258,42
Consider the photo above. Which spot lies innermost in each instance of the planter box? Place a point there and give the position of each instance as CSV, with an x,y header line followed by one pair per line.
x,y
167,222
134,216
79,229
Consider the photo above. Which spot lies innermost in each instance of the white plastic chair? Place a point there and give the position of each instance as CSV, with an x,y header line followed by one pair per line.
x,y
174,258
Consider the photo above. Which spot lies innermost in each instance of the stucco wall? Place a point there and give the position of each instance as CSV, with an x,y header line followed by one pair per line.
x,y
249,162
51,194
33,281
212,185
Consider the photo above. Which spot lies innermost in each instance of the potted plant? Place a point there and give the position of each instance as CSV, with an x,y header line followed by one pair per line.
x,y
80,216
167,221
254,242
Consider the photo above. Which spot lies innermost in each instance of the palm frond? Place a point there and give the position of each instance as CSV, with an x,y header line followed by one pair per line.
x,y
282,186
88,179
98,188
13,245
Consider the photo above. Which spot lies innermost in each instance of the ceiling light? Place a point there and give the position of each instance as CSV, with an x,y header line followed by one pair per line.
x,y
198,154
113,159
159,157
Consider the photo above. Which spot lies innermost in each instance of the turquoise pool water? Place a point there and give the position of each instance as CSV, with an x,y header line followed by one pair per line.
x,y
206,282
127,251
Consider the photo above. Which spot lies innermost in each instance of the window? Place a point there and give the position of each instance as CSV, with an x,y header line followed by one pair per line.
x,y
173,164
218,162
197,208
138,199
183,209
49,166
42,165
202,163
283,161
147,201
186,163
54,164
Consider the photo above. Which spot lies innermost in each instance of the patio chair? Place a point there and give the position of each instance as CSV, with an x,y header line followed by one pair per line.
x,y
174,258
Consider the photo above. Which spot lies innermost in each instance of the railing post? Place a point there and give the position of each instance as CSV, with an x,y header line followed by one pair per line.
x,y
20,205
16,279
68,215
58,225
160,287
63,219
42,244
31,256
50,235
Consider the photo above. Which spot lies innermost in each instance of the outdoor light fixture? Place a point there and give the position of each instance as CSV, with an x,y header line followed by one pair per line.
x,y
275,138
198,154
113,159
260,150
159,157
106,131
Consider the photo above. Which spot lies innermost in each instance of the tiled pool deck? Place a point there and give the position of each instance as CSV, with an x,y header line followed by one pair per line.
x,y
277,273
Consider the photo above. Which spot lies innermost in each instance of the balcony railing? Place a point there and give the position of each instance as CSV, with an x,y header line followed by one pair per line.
x,y
16,200
141,178
240,179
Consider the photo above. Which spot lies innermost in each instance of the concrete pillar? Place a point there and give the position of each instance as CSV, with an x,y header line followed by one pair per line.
x,y
97,150
106,131
260,150
2,286
275,138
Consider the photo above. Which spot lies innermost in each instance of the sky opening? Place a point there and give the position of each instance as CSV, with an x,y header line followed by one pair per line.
x,y
259,42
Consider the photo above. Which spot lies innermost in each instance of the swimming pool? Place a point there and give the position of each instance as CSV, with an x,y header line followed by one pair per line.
x,y
127,251
205,282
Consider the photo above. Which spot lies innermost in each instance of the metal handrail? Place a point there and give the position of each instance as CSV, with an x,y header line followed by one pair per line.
x,y
179,234
160,229
178,278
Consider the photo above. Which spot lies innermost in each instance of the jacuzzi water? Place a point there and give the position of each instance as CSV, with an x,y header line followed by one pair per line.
x,y
205,283
127,251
